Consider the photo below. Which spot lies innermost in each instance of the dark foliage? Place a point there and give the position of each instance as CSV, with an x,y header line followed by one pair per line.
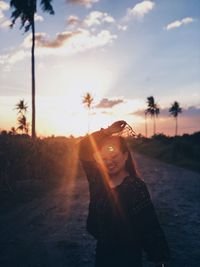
x,y
179,150
23,159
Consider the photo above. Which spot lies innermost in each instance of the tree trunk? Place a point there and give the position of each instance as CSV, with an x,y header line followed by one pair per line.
x,y
176,127
146,125
88,120
33,77
154,124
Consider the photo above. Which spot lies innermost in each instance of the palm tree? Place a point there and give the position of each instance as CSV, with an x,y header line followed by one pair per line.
x,y
87,101
21,107
152,110
23,124
25,10
13,131
175,109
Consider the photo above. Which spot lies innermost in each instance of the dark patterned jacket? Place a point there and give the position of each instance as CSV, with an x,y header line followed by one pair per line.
x,y
122,216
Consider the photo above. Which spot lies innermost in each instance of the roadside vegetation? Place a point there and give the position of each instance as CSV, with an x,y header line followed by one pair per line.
x,y
29,167
183,151
25,162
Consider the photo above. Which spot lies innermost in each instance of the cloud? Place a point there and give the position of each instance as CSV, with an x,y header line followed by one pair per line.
x,y
38,18
191,111
73,20
59,41
140,9
65,44
139,112
4,22
4,59
8,59
80,39
122,27
86,3
107,113
1,15
17,56
108,103
178,23
94,18
4,5
97,18
187,121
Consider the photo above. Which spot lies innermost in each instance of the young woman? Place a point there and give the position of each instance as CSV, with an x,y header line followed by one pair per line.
x,y
121,215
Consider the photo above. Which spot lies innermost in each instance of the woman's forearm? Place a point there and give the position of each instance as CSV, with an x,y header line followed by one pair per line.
x,y
89,144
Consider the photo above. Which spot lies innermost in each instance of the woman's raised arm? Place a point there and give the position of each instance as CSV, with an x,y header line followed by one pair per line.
x,y
89,145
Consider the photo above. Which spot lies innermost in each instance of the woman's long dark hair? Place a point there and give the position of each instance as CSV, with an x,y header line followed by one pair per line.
x,y
130,163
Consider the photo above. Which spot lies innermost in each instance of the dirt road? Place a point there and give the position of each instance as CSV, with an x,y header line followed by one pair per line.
x,y
50,231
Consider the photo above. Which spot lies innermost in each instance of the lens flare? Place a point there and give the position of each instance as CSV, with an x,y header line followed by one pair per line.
x,y
105,176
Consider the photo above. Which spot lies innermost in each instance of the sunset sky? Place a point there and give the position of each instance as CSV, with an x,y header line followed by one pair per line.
x,y
119,51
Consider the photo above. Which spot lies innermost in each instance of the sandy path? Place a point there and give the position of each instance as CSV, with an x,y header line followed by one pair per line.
x,y
50,231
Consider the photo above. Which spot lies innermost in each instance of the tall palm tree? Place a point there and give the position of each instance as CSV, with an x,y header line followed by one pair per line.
x,y
152,110
175,109
21,107
87,101
25,10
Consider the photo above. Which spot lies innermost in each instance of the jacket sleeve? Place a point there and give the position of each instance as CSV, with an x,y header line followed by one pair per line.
x,y
152,237
87,148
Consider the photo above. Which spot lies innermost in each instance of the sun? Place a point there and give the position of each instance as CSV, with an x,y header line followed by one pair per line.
x,y
65,112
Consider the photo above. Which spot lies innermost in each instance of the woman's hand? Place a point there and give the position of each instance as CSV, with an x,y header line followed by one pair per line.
x,y
116,127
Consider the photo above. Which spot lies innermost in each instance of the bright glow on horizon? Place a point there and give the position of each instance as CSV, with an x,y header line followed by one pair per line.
x,y
61,116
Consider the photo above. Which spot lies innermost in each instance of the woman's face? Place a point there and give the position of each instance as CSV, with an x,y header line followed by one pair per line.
x,y
112,158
